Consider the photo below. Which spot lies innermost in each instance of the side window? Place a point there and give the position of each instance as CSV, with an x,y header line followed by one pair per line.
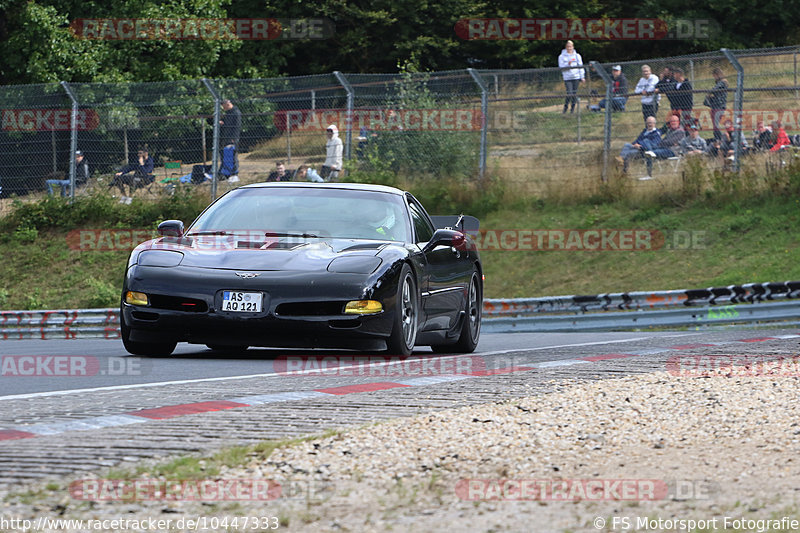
x,y
422,228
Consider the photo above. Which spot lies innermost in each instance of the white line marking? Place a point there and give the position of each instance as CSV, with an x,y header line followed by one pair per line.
x,y
96,422
432,380
561,362
277,397
47,394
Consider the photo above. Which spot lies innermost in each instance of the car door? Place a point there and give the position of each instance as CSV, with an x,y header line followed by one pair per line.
x,y
443,298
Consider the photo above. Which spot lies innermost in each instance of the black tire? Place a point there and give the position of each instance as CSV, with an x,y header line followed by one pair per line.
x,y
144,349
406,319
229,349
471,327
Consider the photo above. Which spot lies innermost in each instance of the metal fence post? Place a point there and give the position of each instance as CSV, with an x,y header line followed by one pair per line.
x,y
349,120
607,123
73,138
484,119
215,141
737,105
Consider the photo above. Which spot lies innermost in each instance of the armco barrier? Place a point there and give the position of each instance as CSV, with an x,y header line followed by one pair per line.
x,y
748,303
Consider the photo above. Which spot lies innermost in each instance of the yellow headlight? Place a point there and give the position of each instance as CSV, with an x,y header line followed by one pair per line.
x,y
363,307
136,298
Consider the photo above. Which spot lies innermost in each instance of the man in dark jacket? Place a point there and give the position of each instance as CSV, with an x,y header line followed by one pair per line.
x,y
648,139
666,86
619,91
81,176
135,175
683,98
229,132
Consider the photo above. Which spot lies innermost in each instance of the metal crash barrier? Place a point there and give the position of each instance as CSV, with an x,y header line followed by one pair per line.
x,y
734,304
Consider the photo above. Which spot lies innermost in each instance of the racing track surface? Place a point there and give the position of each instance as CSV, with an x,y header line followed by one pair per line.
x,y
130,408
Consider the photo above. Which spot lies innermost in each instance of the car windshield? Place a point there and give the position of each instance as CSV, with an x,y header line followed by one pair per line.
x,y
308,212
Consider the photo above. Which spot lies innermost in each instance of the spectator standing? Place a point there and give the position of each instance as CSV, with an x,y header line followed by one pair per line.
x,y
334,149
571,64
693,144
619,90
683,97
717,100
648,139
666,85
229,132
646,86
82,174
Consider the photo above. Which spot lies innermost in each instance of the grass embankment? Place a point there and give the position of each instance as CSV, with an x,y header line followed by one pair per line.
x,y
736,241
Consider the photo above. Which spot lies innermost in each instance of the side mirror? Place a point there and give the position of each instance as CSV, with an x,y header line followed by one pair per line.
x,y
445,237
171,228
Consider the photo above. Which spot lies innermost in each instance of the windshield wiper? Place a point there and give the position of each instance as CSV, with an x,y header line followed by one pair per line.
x,y
302,235
219,232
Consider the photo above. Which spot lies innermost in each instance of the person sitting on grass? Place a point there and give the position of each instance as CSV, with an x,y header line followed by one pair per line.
x,y
782,138
648,139
726,145
280,173
305,172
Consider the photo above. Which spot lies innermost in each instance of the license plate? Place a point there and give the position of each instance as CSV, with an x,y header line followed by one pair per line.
x,y
241,302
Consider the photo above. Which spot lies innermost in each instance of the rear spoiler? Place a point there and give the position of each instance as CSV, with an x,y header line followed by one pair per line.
x,y
462,223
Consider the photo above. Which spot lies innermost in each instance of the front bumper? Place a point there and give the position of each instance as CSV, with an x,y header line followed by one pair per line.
x,y
212,325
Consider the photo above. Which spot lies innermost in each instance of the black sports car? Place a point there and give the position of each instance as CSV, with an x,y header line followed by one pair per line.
x,y
306,265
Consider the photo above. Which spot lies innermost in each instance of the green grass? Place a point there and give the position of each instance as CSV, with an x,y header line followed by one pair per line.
x,y
745,237
742,242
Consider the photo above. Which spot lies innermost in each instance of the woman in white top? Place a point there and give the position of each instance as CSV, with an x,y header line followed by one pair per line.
x,y
571,65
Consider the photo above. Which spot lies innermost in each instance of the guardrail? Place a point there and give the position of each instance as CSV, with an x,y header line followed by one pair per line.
x,y
733,304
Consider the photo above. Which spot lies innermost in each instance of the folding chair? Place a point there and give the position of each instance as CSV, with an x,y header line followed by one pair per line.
x,y
171,179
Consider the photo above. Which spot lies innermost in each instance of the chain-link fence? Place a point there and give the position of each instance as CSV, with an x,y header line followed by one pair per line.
x,y
524,127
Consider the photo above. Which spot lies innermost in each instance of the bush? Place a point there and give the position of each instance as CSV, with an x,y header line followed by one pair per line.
x,y
26,218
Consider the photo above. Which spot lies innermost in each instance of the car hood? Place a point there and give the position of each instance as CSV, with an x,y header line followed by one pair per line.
x,y
265,254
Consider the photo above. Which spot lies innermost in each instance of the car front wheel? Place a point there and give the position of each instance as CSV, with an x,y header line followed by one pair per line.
x,y
404,331
145,349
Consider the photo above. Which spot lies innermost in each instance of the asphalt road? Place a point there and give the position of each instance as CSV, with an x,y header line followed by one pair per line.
x,y
97,363
71,407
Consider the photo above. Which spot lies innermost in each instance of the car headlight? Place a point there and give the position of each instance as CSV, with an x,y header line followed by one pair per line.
x,y
136,298
363,307
160,258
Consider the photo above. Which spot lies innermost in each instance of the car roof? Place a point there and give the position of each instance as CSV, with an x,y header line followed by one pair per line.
x,y
345,186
